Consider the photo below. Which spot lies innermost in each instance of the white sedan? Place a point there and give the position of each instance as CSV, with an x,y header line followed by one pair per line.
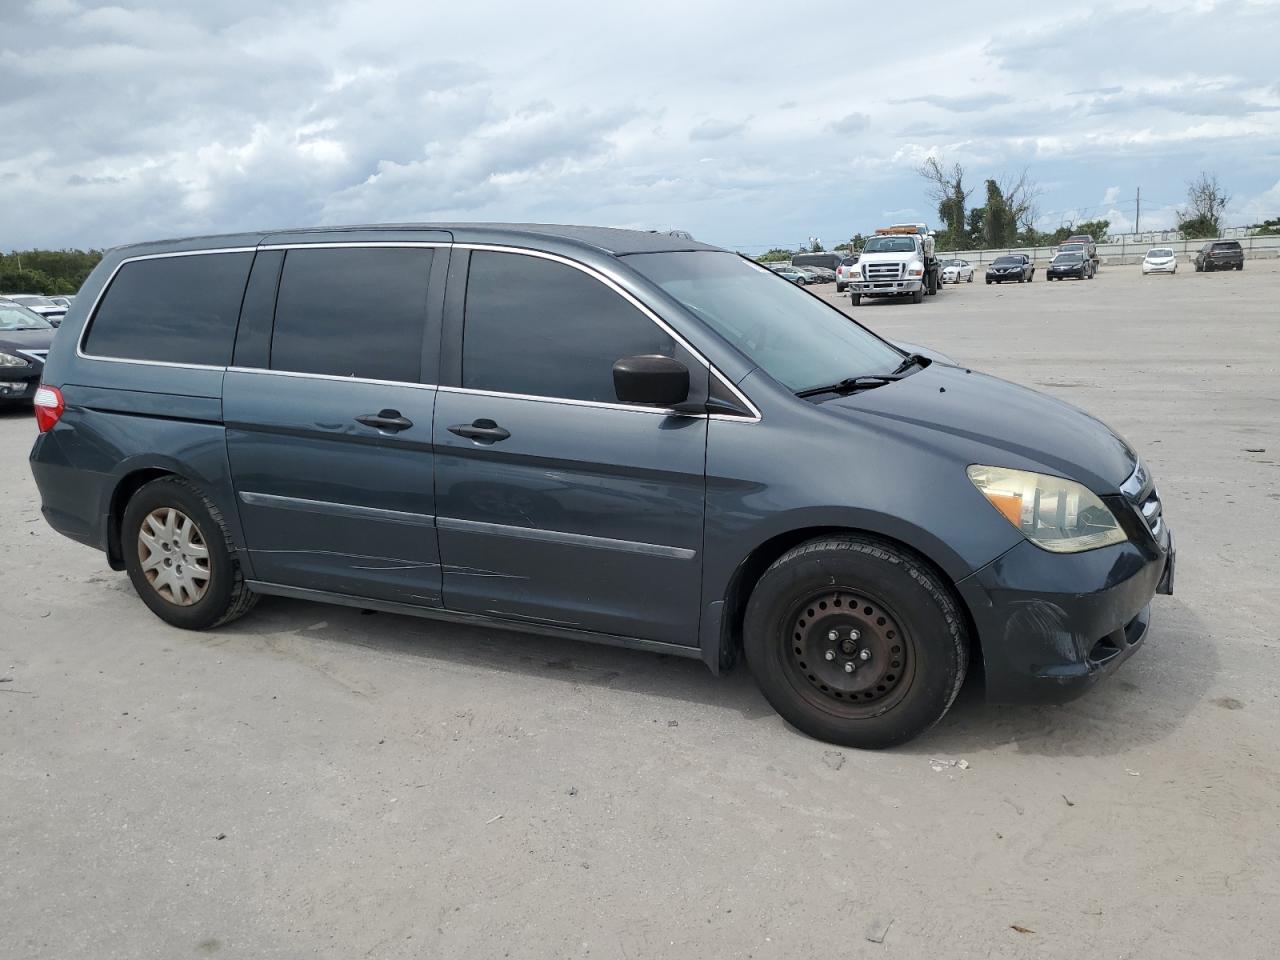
x,y
953,271
1159,260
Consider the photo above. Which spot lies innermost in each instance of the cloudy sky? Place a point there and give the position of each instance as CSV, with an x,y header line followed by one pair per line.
x,y
749,124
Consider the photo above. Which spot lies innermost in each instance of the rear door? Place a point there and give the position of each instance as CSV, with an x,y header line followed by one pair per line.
x,y
557,504
328,410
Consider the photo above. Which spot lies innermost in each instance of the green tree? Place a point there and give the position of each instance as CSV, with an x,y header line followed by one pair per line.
x,y
46,271
1206,202
816,247
774,256
998,224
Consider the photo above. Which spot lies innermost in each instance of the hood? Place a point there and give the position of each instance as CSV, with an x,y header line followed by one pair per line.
x,y
888,257
26,339
983,419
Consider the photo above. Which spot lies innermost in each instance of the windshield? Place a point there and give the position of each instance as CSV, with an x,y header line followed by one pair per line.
x,y
1067,258
13,317
1160,252
1008,262
797,339
889,245
33,301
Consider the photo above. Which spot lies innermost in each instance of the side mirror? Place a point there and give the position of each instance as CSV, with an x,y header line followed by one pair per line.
x,y
652,380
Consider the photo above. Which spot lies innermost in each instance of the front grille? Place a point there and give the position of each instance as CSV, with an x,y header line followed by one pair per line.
x,y
883,271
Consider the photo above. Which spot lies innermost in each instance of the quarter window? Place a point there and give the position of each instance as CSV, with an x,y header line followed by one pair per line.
x,y
180,309
352,312
542,328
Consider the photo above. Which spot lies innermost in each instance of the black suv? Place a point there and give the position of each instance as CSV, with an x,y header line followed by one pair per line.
x,y
1219,255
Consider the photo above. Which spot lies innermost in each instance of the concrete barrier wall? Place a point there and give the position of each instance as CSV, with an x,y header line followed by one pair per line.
x,y
1118,253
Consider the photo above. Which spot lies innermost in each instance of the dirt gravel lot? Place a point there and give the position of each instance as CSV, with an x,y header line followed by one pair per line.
x,y
311,782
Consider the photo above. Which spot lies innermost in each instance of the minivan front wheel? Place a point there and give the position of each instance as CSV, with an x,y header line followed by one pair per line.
x,y
855,641
179,558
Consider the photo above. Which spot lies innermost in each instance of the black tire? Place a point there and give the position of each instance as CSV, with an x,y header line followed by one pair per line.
x,y
913,622
970,278
1240,266
917,296
855,299
226,595
840,288
988,283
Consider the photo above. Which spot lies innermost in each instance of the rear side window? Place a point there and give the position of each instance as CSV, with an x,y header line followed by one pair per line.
x,y
545,329
352,312
172,309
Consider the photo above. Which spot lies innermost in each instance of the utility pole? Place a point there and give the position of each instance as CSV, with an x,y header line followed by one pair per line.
x,y
1137,213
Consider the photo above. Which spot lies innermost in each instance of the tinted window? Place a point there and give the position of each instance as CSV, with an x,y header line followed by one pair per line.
x,y
542,328
352,312
172,309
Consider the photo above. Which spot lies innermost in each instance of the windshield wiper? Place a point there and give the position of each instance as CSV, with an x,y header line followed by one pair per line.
x,y
851,384
912,360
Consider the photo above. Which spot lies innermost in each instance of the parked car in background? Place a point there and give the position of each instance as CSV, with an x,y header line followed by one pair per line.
x,y
1012,267
822,274
1159,260
794,274
64,301
617,431
1083,250
1087,243
53,312
1219,255
956,271
1072,265
846,272
25,338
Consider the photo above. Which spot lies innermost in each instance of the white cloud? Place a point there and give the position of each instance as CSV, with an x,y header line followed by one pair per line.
x,y
133,120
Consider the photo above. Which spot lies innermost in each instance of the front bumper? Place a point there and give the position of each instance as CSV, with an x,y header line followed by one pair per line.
x,y
886,287
1066,274
1052,625
1159,267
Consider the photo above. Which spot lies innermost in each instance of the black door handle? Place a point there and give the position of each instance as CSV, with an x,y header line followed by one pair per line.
x,y
482,431
389,420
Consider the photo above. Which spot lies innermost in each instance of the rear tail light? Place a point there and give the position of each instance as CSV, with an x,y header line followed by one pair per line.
x,y
49,407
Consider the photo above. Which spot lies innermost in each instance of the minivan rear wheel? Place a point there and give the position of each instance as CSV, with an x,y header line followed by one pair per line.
x,y
179,556
855,641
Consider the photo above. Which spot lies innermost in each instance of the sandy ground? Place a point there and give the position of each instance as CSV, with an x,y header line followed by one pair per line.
x,y
314,782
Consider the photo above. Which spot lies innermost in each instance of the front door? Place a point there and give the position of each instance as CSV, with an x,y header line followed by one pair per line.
x,y
329,422
556,504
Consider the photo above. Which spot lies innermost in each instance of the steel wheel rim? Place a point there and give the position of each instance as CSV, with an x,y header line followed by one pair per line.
x,y
174,556
868,635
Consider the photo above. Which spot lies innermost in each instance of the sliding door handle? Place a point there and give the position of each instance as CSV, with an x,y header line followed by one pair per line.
x,y
389,420
481,431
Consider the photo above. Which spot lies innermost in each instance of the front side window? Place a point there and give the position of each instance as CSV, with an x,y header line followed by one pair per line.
x,y
542,328
352,312
797,339
180,309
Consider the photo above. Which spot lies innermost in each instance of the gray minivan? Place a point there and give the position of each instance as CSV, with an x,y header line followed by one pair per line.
x,y
625,437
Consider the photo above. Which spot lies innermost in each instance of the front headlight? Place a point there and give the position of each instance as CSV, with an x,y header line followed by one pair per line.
x,y
915,270
9,360
1052,512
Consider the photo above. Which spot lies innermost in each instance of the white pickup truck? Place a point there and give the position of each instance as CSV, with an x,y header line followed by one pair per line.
x,y
898,261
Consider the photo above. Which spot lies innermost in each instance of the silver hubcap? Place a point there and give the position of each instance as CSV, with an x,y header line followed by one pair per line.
x,y
175,558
